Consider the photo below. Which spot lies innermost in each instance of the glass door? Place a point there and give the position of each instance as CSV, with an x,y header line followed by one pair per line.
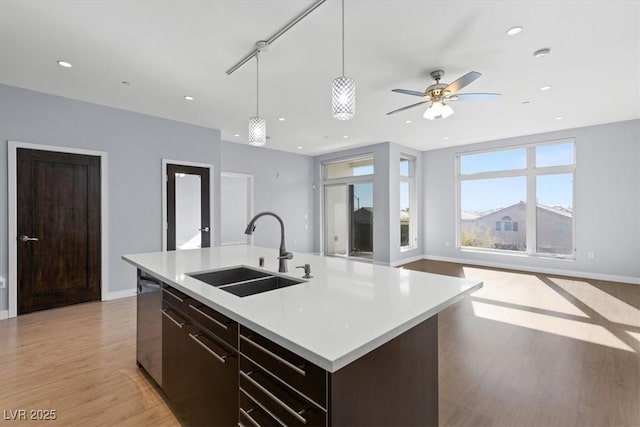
x,y
349,220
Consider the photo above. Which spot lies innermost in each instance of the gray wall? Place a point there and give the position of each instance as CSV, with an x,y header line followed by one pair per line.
x,y
282,184
135,144
607,202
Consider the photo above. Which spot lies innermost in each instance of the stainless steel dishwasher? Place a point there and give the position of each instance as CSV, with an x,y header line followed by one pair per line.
x,y
149,325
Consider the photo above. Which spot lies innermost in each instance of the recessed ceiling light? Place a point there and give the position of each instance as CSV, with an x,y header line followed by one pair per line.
x,y
346,136
65,64
299,148
514,30
407,121
526,102
236,134
281,119
559,118
189,97
543,88
445,137
126,83
541,52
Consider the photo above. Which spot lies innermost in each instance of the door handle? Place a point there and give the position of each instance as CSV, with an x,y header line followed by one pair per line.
x,y
204,229
25,238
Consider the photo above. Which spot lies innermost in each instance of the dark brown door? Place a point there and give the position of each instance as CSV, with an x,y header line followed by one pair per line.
x,y
187,207
58,229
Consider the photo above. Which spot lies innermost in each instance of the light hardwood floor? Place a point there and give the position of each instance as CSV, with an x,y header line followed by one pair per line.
x,y
539,350
526,350
81,362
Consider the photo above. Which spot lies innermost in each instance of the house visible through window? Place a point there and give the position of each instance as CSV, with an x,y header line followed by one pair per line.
x,y
518,199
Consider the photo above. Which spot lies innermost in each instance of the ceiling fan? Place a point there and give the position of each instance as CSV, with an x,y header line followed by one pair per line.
x,y
438,93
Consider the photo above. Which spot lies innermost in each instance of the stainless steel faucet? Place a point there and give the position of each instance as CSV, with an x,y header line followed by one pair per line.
x,y
284,255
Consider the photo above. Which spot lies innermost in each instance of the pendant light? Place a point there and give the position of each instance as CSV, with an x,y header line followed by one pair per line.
x,y
257,125
343,90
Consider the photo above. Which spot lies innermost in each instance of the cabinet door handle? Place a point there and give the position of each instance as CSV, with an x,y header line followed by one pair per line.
x,y
222,325
275,356
178,324
275,398
173,295
203,345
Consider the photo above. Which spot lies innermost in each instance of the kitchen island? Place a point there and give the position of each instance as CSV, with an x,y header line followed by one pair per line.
x,y
356,344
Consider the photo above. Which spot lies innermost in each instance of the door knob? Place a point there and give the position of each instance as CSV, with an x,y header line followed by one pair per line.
x,y
25,238
205,229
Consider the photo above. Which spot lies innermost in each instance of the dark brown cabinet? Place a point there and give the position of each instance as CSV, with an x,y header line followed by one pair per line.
x,y
218,373
213,381
199,369
175,370
278,384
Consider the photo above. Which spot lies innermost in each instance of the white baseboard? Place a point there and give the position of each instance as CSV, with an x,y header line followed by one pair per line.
x,y
407,260
573,273
4,314
120,294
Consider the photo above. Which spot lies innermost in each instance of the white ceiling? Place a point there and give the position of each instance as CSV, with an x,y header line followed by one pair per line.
x,y
168,49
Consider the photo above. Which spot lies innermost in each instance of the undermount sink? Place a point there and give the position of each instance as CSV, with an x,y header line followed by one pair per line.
x,y
243,281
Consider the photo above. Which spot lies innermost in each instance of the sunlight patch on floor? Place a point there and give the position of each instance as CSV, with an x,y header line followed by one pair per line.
x,y
608,306
521,289
635,335
554,325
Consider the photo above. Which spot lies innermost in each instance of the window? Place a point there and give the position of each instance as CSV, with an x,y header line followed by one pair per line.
x,y
348,208
518,199
408,234
506,224
348,168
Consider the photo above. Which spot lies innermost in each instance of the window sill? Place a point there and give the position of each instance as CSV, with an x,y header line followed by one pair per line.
x,y
516,254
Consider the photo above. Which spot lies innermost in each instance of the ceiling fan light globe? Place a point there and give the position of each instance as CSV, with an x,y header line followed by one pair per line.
x,y
257,131
343,98
438,110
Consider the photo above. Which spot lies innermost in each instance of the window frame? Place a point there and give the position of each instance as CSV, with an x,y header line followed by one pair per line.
x,y
413,205
531,172
345,180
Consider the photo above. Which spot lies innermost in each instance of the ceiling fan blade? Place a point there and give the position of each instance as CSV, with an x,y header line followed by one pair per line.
x,y
463,81
475,97
407,107
409,92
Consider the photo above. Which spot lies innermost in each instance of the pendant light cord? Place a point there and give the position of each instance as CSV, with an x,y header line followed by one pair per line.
x,y
342,38
257,83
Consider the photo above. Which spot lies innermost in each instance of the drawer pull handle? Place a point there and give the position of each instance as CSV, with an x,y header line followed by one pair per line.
x,y
222,325
249,417
173,295
274,398
178,324
213,353
261,406
275,356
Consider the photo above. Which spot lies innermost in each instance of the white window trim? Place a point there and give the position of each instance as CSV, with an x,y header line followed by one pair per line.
x,y
327,182
531,173
413,217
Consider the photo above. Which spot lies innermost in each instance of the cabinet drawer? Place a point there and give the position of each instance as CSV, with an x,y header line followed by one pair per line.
x,y
176,298
278,399
302,375
252,415
215,322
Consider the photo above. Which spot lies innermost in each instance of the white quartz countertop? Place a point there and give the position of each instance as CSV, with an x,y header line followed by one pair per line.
x,y
346,310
